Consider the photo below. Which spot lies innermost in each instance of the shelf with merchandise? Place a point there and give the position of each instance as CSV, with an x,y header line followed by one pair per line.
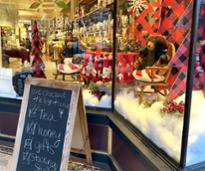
x,y
97,11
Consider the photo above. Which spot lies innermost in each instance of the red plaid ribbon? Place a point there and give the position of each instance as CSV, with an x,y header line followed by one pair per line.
x,y
199,76
176,24
180,61
201,32
148,20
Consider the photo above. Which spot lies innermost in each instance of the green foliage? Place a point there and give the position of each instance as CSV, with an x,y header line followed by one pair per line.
x,y
129,45
61,4
124,7
140,48
93,87
35,5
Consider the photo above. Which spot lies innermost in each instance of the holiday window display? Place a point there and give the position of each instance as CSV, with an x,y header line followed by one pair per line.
x,y
152,66
97,75
90,56
94,31
159,116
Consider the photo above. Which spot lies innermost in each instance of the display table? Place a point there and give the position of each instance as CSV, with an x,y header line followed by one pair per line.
x,y
22,53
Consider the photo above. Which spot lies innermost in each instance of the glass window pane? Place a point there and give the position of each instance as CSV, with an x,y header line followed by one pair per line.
x,y
196,152
95,34
151,63
75,45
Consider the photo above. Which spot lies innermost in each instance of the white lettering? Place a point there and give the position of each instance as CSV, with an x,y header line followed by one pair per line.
x,y
28,143
46,146
31,127
38,160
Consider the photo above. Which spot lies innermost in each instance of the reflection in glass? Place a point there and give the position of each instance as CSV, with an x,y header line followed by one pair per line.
x,y
195,151
94,32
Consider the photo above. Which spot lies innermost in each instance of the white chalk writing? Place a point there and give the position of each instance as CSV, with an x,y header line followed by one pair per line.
x,y
46,146
43,134
29,157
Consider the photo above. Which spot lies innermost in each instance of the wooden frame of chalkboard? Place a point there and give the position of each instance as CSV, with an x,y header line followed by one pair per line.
x,y
46,125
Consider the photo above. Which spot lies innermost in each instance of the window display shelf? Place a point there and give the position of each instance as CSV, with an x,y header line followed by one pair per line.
x,y
96,11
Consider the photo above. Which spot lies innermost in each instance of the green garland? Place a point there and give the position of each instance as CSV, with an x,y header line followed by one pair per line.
x,y
59,3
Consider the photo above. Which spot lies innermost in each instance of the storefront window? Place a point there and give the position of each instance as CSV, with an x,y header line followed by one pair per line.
x,y
195,152
8,18
95,34
153,49
151,63
75,45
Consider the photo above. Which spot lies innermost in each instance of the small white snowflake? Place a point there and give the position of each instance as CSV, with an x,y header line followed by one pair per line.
x,y
137,6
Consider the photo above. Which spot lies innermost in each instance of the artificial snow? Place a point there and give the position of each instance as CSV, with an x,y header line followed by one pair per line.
x,y
92,101
196,151
164,129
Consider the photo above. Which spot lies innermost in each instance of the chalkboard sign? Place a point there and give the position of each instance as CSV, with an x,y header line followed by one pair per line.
x,y
44,129
45,126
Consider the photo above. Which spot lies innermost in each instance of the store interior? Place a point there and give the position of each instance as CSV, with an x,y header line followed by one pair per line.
x,y
133,60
